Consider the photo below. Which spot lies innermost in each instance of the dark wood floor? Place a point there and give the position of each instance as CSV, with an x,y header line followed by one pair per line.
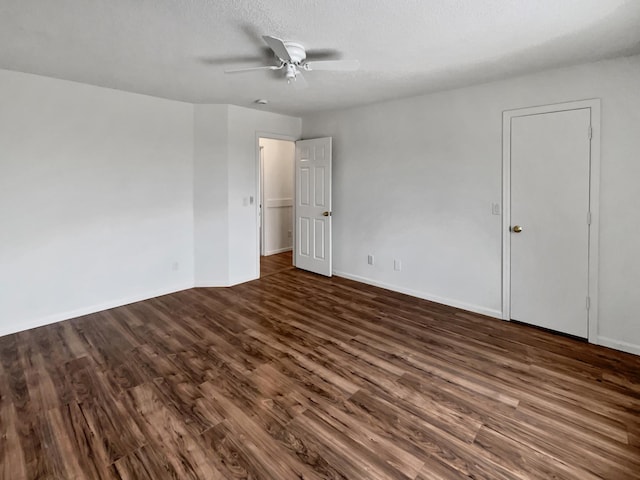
x,y
275,263
299,376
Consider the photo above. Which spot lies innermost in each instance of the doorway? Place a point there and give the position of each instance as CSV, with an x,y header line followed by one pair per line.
x,y
275,204
550,221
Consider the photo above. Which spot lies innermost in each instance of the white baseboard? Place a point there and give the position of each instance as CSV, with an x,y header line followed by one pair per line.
x,y
238,281
59,317
425,296
278,250
619,345
205,284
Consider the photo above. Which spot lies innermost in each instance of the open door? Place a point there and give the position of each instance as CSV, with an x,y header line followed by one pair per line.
x,y
313,206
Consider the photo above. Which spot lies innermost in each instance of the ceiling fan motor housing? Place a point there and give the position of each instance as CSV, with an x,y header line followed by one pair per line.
x,y
296,52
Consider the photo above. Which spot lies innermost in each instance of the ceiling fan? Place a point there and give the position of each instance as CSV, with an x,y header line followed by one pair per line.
x,y
292,59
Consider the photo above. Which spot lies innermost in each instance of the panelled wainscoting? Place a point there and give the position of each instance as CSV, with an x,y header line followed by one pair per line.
x,y
300,376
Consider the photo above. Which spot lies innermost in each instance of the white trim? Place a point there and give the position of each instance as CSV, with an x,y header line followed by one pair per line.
x,y
209,284
278,250
594,200
618,345
594,228
506,217
425,296
59,317
279,202
260,196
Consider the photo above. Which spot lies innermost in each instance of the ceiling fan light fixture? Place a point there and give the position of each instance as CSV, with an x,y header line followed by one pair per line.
x,y
291,72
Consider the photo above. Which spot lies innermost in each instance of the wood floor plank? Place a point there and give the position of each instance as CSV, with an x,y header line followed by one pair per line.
x,y
434,441
67,441
273,460
115,433
165,431
385,448
146,463
369,464
532,463
275,263
302,376
12,460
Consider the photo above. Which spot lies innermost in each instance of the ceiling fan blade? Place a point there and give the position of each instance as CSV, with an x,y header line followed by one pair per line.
x,y
334,65
240,70
236,59
300,83
278,47
323,54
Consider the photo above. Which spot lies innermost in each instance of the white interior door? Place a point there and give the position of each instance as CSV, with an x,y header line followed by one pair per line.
x,y
313,206
550,168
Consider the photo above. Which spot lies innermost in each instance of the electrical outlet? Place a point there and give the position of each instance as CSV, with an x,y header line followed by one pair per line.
x,y
175,267
370,259
289,234
397,265
495,209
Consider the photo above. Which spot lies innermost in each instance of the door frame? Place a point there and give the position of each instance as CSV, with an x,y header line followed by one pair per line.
x,y
594,204
260,197
272,136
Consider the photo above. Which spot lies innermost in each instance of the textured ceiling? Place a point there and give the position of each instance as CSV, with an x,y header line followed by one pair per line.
x,y
178,49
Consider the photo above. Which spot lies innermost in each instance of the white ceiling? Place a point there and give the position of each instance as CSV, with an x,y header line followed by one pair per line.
x,y
177,48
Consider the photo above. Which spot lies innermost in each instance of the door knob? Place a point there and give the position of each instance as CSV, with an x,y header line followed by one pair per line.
x,y
326,214
517,229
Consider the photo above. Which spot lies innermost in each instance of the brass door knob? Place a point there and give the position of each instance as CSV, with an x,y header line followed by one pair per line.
x,y
517,229
326,214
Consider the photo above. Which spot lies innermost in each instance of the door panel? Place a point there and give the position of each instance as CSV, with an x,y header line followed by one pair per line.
x,y
319,176
304,186
313,199
304,233
550,165
318,244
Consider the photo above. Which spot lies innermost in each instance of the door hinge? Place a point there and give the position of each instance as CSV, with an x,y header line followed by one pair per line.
x,y
588,218
588,303
590,132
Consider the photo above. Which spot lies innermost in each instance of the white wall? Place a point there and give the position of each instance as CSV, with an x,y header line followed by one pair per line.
x,y
95,198
108,197
245,127
414,179
210,201
226,177
278,158
98,198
